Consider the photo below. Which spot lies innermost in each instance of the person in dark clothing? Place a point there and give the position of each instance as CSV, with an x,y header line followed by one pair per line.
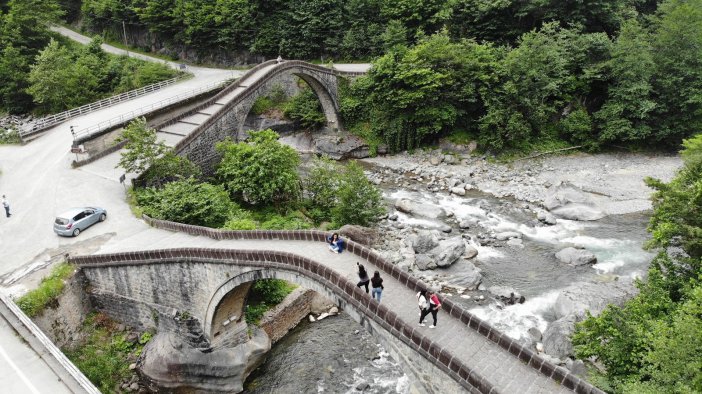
x,y
363,276
434,306
377,284
336,244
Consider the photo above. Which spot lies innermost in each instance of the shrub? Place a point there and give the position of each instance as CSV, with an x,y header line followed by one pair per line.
x,y
305,109
9,136
359,201
261,171
48,291
168,168
187,201
265,294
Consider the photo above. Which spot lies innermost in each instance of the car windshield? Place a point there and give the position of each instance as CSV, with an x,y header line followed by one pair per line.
x,y
61,221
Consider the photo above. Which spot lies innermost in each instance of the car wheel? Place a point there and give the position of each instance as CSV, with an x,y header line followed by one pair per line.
x,y
76,232
103,217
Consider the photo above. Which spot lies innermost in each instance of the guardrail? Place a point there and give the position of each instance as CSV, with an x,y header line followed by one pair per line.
x,y
85,133
47,350
49,121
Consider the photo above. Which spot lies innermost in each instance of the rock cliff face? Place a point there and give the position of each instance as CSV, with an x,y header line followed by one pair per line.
x,y
170,363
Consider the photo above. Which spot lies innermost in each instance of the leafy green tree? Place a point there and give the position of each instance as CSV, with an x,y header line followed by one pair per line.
x,y
322,188
25,25
169,168
305,109
359,201
59,82
625,115
14,69
261,170
141,150
677,53
187,201
647,345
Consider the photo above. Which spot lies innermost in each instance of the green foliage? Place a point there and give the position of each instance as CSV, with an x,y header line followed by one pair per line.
x,y
105,355
50,288
264,295
305,109
9,136
142,150
359,201
322,188
168,168
652,343
187,201
261,171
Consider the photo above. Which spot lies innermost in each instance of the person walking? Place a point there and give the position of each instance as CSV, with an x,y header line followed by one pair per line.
x,y
363,276
422,303
434,306
377,284
6,205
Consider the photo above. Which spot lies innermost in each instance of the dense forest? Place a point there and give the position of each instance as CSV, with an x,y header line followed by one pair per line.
x,y
43,73
515,75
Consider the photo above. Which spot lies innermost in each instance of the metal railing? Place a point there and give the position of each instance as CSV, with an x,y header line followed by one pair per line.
x,y
49,121
85,133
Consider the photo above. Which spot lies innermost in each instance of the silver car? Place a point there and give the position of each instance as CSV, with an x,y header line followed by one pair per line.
x,y
75,220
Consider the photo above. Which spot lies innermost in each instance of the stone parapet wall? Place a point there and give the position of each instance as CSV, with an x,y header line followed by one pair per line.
x,y
287,315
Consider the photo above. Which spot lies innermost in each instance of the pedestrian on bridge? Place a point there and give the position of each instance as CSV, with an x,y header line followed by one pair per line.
x,y
377,284
6,205
434,306
363,276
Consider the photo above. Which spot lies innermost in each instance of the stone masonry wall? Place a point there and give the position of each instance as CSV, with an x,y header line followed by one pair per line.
x,y
288,314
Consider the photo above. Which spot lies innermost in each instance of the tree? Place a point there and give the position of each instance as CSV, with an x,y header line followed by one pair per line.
x,y
141,150
625,115
187,201
322,188
260,171
305,109
359,201
652,344
677,53
169,168
14,69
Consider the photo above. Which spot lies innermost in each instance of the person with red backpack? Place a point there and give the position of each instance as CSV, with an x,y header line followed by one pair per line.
x,y
434,306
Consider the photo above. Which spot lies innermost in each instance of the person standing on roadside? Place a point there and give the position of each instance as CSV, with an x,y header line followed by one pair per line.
x,y
6,205
377,284
434,306
363,276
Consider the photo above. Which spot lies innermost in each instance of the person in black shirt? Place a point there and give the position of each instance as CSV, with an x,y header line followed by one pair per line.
x,y
377,283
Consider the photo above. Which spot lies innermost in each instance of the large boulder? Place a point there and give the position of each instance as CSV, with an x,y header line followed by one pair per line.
x,y
171,364
506,294
467,275
563,193
580,212
546,218
505,235
419,209
363,235
470,252
448,251
569,202
594,297
424,262
556,338
424,241
576,257
341,147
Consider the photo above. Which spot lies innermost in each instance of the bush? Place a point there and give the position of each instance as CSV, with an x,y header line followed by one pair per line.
x,y
168,168
105,356
48,291
261,171
359,201
9,136
306,110
265,294
187,201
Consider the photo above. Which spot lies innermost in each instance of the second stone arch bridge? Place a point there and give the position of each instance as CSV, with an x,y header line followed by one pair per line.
x,y
188,290
196,131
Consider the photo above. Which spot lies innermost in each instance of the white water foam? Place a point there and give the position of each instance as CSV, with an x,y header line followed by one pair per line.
x,y
516,320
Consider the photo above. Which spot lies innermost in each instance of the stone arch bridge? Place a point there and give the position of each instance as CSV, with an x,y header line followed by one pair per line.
x,y
198,282
195,132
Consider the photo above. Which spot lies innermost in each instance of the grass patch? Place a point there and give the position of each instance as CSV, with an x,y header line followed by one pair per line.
x,y
105,356
48,291
9,136
529,148
461,137
264,295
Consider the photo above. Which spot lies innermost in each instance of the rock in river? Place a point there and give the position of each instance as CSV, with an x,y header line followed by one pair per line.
x,y
576,257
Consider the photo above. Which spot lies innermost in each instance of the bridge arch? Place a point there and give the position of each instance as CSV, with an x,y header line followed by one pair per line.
x,y
230,107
